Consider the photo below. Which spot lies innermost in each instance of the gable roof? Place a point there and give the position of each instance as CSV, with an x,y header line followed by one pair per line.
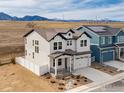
x,y
102,30
50,34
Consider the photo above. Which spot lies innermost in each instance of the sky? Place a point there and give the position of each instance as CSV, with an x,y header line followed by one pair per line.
x,y
66,9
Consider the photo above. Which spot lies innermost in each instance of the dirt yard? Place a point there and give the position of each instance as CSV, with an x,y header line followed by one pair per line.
x,y
16,78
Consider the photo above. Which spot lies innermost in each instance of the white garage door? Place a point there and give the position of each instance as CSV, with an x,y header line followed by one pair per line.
x,y
81,62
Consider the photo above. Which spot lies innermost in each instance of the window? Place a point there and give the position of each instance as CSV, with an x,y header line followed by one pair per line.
x,y
69,42
85,42
36,49
109,40
81,43
53,62
33,42
102,40
36,42
55,45
60,45
33,55
69,34
59,62
120,38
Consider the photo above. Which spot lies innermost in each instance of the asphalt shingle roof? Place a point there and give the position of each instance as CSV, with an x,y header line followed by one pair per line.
x,y
103,30
48,34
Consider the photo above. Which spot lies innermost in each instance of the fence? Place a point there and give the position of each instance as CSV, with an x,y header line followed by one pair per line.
x,y
5,61
32,66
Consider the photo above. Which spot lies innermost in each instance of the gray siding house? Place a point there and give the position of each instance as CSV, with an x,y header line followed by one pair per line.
x,y
107,43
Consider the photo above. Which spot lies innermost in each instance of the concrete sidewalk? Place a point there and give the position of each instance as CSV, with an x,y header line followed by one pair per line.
x,y
117,64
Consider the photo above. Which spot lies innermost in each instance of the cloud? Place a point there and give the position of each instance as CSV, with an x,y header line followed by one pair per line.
x,y
71,9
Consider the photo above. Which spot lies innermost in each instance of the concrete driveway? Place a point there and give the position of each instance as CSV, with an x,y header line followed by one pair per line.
x,y
117,64
93,74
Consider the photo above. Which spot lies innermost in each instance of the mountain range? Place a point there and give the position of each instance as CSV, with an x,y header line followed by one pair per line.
x,y
4,16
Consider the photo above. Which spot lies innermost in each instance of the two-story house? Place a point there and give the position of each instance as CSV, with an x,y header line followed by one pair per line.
x,y
107,43
57,50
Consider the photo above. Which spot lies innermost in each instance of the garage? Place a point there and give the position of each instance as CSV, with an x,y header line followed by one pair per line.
x,y
81,62
108,56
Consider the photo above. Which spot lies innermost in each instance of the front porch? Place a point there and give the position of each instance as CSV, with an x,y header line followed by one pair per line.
x,y
61,66
60,72
120,53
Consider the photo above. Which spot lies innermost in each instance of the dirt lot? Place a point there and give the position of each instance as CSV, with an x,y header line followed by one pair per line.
x,y
17,78
11,32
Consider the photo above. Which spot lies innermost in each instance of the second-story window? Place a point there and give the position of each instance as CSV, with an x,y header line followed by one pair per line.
x,y
60,45
32,42
109,40
36,49
36,45
102,40
36,42
81,43
85,42
55,46
69,42
120,38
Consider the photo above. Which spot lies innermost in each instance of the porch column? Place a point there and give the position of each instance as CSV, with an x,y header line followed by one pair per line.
x,y
70,63
119,53
55,67
74,62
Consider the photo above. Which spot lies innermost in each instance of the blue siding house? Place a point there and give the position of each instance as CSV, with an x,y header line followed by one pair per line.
x,y
107,43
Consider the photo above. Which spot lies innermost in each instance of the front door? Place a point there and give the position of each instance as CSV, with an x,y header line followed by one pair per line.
x,y
65,63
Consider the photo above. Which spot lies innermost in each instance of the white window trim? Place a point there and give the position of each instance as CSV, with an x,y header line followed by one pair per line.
x,y
102,40
83,43
69,42
57,46
120,38
109,40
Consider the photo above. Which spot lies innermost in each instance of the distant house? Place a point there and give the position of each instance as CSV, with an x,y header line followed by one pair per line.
x,y
57,51
107,43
